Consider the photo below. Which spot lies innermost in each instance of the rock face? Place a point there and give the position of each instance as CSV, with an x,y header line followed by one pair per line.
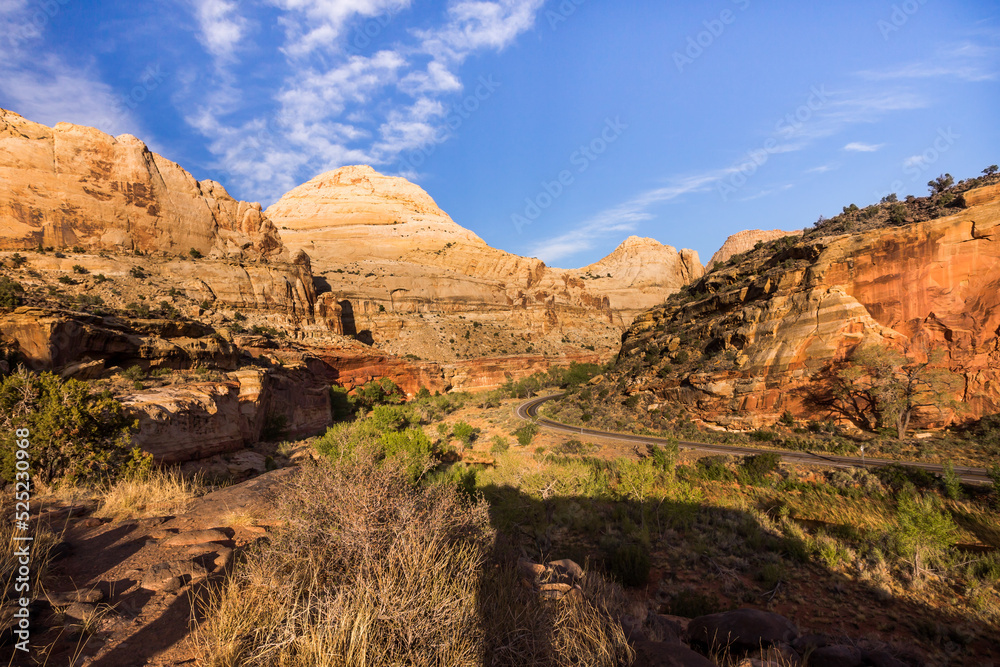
x,y
768,331
742,241
393,259
76,186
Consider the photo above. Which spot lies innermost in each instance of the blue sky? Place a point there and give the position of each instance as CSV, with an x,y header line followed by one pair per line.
x,y
552,129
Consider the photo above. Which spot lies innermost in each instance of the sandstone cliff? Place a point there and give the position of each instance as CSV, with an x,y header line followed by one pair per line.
x,y
741,242
74,187
759,337
404,272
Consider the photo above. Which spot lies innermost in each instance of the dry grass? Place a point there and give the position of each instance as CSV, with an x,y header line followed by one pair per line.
x,y
156,493
370,570
41,546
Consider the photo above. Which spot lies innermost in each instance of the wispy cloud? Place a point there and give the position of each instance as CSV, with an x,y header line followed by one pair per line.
x,y
621,218
822,169
46,88
965,61
221,27
859,147
336,105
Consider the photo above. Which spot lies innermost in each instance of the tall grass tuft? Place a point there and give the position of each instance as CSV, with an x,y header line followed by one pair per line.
x,y
370,570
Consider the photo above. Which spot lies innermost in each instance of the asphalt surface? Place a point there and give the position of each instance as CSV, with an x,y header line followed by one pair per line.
x,y
529,411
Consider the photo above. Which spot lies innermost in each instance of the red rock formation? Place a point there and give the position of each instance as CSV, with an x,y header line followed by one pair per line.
x,y
932,285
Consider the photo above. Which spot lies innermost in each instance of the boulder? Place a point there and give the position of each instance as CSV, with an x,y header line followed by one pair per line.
x,y
742,629
836,656
662,654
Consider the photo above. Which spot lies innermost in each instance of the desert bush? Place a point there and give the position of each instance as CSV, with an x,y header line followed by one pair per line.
x,y
755,469
526,433
899,477
951,485
378,392
134,373
74,433
500,445
465,432
411,447
574,447
10,293
393,417
664,457
371,570
923,530
714,468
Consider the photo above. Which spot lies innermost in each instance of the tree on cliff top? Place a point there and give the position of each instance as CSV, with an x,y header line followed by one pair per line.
x,y
882,388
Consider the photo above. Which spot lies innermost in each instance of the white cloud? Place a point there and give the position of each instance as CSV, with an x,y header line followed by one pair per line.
x,y
46,88
336,106
621,218
317,25
222,28
965,61
859,147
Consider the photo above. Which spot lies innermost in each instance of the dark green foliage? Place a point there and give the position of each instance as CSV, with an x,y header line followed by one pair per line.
x,y
990,170
763,436
574,447
10,293
755,469
714,468
526,433
629,564
899,477
66,280
423,394
941,183
194,254
950,483
73,432
664,458
378,392
393,417
134,373
787,418
465,432
18,260
80,269
137,272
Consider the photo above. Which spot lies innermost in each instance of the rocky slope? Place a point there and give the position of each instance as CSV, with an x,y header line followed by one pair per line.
x,y
405,273
761,336
744,241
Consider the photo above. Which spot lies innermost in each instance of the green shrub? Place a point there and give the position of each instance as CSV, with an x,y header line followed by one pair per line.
x,y
378,392
714,468
66,280
922,528
951,485
574,447
500,445
629,564
73,433
134,373
387,418
465,432
994,475
899,477
664,458
195,254
18,260
761,435
137,272
10,293
755,469
526,433
412,447
80,270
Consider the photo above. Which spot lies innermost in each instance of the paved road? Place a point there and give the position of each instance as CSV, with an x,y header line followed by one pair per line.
x,y
529,410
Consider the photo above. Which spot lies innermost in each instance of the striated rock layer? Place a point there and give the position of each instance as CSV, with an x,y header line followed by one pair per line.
x,y
390,256
76,186
763,337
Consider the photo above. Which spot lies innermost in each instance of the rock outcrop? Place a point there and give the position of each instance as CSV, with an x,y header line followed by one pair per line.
x,y
395,261
741,242
76,186
752,340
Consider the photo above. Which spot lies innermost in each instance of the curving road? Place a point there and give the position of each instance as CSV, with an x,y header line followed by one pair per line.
x,y
529,411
